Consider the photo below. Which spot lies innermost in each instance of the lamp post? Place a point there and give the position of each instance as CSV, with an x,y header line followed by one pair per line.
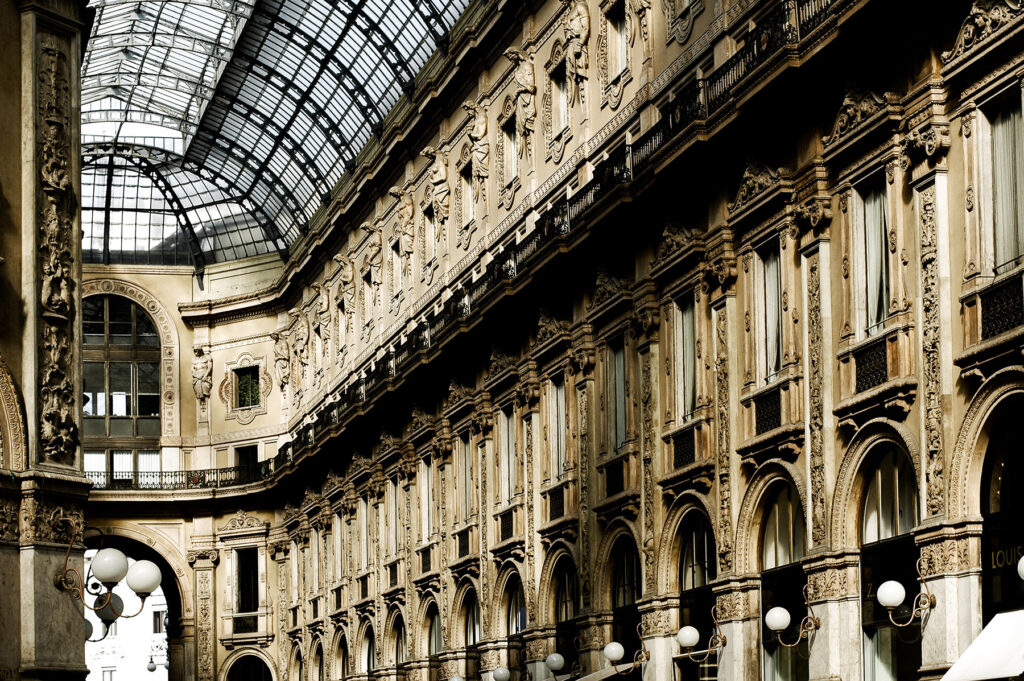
x,y
891,595
108,567
777,619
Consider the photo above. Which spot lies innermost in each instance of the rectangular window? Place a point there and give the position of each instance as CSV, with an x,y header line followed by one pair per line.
x,y
876,254
339,546
507,454
425,483
618,57
511,152
120,389
685,358
1007,184
147,383
124,464
158,621
615,396
468,202
95,401
108,674
560,99
95,461
364,533
247,592
467,476
771,310
247,387
246,457
393,519
396,269
556,427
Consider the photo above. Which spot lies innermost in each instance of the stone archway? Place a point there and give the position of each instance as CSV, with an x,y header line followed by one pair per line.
x,y
248,664
13,445
143,543
170,391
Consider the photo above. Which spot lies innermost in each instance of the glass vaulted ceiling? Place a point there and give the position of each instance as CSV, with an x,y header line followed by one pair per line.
x,y
213,129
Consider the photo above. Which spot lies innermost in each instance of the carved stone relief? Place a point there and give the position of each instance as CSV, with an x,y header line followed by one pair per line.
x,y
480,150
13,443
985,19
59,437
724,446
526,106
405,230
816,422
757,179
857,107
935,499
577,57
228,390
647,401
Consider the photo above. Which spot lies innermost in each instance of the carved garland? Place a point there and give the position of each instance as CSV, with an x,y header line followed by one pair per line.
x,y
819,519
13,443
935,488
647,400
582,403
58,439
723,405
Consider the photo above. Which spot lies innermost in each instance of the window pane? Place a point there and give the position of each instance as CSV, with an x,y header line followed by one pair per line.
x,y
120,321
145,331
876,260
148,386
94,397
92,320
123,464
95,461
247,386
1007,159
120,389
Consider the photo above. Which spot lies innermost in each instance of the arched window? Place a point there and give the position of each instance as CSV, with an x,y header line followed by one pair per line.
x,y
1002,507
697,568
890,506
888,551
515,613
341,666
434,640
782,582
249,668
399,640
625,592
318,663
471,619
121,393
566,607
369,656
783,531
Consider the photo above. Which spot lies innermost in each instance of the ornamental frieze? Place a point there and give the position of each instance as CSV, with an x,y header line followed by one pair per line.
x,y
857,108
986,18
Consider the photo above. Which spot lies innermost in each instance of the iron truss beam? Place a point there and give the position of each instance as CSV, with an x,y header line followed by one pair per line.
x,y
434,21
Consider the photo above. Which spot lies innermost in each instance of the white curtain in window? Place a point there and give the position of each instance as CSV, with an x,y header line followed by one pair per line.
x,y
875,261
879,656
689,357
1007,160
772,311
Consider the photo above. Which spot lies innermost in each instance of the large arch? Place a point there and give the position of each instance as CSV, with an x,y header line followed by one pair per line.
x,y
508,572
845,526
603,578
13,442
237,655
465,587
667,563
170,383
752,507
556,552
968,458
339,656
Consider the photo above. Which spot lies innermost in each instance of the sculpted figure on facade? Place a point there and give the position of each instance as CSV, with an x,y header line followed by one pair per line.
x,y
577,57
481,149
406,228
282,359
202,373
440,191
345,298
300,336
526,96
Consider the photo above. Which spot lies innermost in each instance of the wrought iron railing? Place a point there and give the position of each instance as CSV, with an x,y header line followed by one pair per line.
x,y
210,478
1002,307
871,363
767,411
684,448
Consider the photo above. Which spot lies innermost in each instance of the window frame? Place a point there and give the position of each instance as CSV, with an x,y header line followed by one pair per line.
x,y
874,182
766,374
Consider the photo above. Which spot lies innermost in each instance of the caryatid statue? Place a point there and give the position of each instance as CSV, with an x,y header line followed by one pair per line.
x,y
282,359
202,373
481,148
440,190
577,56
406,214
526,95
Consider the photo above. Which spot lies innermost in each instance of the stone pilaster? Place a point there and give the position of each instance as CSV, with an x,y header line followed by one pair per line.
x,y
203,562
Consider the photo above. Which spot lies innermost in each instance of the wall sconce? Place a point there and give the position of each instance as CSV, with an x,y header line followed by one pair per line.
x,y
108,567
615,652
688,636
151,666
1020,568
777,619
891,595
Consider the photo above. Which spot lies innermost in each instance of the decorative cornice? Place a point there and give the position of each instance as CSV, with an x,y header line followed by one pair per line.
x,y
857,107
986,18
757,179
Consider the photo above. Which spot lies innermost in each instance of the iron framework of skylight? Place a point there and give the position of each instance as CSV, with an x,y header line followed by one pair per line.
x,y
238,117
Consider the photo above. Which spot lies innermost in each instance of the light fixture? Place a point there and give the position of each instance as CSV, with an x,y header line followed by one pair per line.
x,y
151,666
688,636
108,567
457,677
1020,568
891,595
615,652
777,619
501,674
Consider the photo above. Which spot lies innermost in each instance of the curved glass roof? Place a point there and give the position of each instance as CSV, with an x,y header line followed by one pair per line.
x,y
213,129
